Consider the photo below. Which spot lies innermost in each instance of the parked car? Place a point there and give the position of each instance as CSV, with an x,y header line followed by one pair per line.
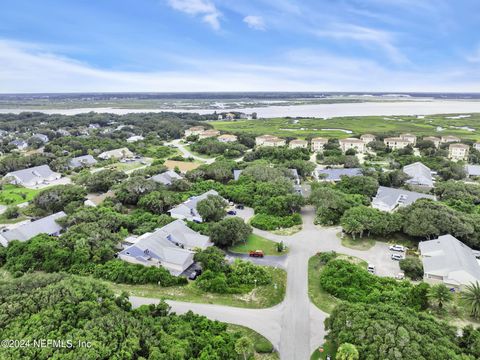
x,y
398,248
256,253
397,257
240,206
400,276
231,212
195,273
371,268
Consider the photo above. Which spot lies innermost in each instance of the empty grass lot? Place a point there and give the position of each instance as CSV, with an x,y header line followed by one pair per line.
x,y
263,348
14,195
256,242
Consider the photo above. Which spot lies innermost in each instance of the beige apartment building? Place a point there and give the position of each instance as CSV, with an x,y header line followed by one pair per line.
x,y
269,140
435,140
298,144
318,144
227,138
352,143
450,138
367,138
458,152
396,143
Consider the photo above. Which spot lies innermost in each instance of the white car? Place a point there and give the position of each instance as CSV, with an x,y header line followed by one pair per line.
x,y
371,268
400,276
397,257
398,248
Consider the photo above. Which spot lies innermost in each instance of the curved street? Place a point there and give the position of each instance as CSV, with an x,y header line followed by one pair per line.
x,y
296,326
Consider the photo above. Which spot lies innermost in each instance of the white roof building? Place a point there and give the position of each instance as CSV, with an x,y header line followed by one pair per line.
x,y
167,177
447,260
47,225
121,153
170,247
33,176
389,199
420,175
135,138
188,209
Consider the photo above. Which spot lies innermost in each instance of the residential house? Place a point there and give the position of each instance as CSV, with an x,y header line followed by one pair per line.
x,y
335,175
47,225
450,139
82,161
269,140
188,209
43,138
19,144
196,130
412,139
227,138
458,152
63,132
135,138
298,144
94,126
396,143
448,261
121,153
229,116
318,143
389,199
352,143
435,140
420,175
476,146
33,176
208,134
367,138
167,177
170,247
472,170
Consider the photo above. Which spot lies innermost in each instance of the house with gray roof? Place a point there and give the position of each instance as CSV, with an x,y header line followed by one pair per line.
x,y
389,199
449,261
43,138
32,177
335,175
47,225
121,153
19,144
472,170
167,177
188,209
420,175
170,247
82,161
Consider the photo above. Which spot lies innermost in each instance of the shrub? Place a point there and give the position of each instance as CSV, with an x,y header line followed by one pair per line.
x,y
11,212
263,346
412,267
325,257
272,222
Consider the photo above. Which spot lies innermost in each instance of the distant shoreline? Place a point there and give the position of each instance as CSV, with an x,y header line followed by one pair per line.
x,y
397,108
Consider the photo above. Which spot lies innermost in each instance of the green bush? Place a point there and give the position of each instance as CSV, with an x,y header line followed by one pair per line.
x,y
412,267
263,346
272,222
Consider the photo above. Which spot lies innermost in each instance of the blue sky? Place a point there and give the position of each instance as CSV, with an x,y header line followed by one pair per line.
x,y
235,45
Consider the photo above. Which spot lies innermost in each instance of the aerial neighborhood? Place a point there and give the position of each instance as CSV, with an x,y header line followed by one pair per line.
x,y
189,208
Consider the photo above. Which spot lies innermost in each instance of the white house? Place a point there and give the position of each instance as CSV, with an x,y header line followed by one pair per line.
x,y
389,199
135,138
412,139
449,261
352,143
167,177
367,138
82,161
47,225
170,247
227,138
31,177
449,138
420,175
188,209
269,140
208,133
476,146
195,130
458,152
298,144
122,153
396,143
318,143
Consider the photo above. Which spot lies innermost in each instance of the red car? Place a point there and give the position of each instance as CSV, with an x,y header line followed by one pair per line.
x,y
256,253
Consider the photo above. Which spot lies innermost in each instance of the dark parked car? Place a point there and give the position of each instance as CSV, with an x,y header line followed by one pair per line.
x,y
240,206
231,212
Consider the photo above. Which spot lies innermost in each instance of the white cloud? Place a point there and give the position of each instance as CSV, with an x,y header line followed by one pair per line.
x,y
367,36
31,68
204,8
254,22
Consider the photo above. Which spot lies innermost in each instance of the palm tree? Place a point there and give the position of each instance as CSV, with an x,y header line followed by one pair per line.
x,y
440,294
471,296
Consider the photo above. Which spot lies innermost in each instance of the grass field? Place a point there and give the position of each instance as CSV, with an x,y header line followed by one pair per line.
x,y
260,297
358,244
318,296
263,348
301,128
256,242
184,166
14,195
328,349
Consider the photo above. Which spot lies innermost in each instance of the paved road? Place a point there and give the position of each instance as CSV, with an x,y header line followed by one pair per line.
x,y
271,260
296,326
186,153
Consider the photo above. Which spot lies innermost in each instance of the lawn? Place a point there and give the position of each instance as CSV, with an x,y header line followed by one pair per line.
x,y
256,242
357,244
263,348
260,297
332,128
318,296
14,195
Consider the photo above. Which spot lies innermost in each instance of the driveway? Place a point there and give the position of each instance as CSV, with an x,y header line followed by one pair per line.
x,y
186,153
275,261
296,326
